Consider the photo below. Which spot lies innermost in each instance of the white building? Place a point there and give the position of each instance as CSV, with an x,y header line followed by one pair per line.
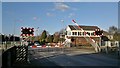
x,y
78,35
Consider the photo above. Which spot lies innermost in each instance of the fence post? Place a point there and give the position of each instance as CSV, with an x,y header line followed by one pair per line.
x,y
117,43
27,55
106,49
9,59
5,45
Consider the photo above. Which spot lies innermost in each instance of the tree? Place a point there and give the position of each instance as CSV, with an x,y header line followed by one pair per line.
x,y
49,39
43,37
56,37
12,38
47,33
62,31
113,30
0,38
104,38
17,38
61,39
3,38
116,36
32,38
6,38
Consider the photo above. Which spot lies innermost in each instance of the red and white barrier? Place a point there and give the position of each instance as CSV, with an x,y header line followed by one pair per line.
x,y
91,41
43,46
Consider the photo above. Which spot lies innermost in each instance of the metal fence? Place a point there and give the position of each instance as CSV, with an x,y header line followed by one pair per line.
x,y
14,55
8,44
110,46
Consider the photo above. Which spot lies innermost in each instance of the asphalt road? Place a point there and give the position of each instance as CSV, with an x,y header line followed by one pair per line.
x,y
71,57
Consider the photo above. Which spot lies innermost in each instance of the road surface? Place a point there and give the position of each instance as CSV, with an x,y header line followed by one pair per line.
x,y
72,57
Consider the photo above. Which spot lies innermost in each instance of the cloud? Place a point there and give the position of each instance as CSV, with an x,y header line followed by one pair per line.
x,y
49,14
67,0
60,0
62,20
35,18
61,6
71,15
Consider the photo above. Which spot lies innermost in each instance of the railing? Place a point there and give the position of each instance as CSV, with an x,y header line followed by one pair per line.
x,y
109,46
6,45
66,43
14,55
93,43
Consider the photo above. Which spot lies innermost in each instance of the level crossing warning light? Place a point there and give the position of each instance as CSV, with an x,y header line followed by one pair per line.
x,y
98,32
27,31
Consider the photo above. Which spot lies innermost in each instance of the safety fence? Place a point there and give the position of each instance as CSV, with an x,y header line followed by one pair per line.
x,y
6,45
14,55
110,46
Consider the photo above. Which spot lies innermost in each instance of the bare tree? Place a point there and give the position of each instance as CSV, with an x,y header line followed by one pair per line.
x,y
113,30
62,31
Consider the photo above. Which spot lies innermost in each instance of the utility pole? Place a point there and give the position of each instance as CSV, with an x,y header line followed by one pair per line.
x,y
37,33
14,35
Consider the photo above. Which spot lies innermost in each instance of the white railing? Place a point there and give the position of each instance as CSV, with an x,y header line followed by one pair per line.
x,y
8,44
111,45
66,43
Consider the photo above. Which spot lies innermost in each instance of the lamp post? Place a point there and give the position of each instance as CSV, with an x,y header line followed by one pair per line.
x,y
14,25
37,32
14,34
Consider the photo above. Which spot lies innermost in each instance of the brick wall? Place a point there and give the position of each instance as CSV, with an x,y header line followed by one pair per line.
x,y
82,40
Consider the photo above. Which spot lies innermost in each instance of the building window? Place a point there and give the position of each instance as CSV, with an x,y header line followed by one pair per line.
x,y
82,33
92,33
88,33
74,33
79,33
68,33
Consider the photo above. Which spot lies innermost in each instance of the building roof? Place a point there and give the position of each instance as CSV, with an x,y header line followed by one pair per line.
x,y
106,33
74,27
